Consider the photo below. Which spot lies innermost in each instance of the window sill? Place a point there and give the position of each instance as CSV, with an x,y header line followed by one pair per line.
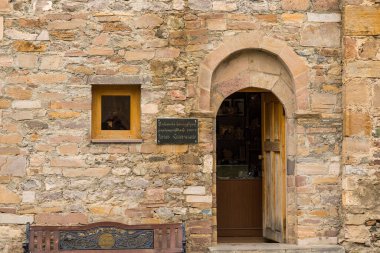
x,y
116,140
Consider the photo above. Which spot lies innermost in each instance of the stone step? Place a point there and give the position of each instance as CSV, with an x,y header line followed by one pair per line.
x,y
273,247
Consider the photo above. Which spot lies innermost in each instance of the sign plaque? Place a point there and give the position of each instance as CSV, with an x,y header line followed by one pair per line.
x,y
177,131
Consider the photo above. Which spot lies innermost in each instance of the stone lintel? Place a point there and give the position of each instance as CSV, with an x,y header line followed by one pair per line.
x,y
114,80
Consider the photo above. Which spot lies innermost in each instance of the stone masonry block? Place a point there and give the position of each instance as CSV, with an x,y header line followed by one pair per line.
x,y
28,196
26,60
295,5
363,69
13,166
311,168
198,199
7,218
376,96
51,62
28,46
326,5
88,172
356,146
4,5
26,104
195,190
321,35
8,197
113,80
200,5
362,20
14,34
357,123
68,162
323,17
148,21
1,28
357,93
323,102
53,219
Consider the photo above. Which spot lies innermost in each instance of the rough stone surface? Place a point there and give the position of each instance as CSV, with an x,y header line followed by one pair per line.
x,y
321,35
13,166
8,197
54,52
1,28
6,218
360,179
362,20
323,18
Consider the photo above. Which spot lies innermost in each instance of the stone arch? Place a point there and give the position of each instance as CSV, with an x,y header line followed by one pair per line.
x,y
257,61
256,69
256,41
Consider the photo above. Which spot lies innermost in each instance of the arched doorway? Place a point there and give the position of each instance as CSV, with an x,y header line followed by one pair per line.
x,y
251,168
254,60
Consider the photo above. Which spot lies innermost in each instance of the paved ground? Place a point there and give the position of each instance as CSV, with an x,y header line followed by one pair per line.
x,y
272,247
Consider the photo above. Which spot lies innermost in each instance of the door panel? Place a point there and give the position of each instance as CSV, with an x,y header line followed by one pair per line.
x,y
274,187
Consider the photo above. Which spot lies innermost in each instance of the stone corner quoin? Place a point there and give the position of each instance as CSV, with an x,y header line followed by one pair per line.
x,y
320,58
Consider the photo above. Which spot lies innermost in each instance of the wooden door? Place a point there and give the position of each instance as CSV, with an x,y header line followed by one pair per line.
x,y
239,211
274,168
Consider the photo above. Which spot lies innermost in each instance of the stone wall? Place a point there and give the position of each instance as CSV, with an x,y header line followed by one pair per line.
x,y
361,145
51,173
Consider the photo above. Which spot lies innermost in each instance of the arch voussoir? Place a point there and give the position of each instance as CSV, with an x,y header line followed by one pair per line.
x,y
258,41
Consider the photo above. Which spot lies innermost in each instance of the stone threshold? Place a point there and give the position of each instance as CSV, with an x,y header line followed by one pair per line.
x,y
273,247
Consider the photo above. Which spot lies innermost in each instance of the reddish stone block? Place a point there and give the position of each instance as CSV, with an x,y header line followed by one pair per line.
x,y
148,21
295,5
67,162
54,219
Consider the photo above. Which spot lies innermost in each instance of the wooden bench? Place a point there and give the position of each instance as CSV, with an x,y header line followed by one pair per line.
x,y
106,237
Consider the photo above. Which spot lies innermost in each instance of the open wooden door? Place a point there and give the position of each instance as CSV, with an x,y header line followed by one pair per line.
x,y
274,168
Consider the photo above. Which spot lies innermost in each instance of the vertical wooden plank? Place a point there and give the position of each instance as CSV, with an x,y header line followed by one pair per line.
x,y
272,169
172,237
32,242
48,237
179,237
278,193
273,131
157,237
56,240
164,239
284,174
39,241
265,164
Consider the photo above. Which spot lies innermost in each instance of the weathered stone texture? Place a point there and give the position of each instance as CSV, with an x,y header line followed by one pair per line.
x,y
53,51
13,165
321,35
360,179
362,20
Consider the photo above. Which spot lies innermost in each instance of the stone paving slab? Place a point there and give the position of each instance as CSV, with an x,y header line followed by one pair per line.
x,y
273,247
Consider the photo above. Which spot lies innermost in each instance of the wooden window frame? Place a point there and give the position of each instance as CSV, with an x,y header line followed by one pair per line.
x,y
131,135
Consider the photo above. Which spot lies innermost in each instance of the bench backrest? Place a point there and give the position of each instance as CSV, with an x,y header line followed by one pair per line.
x,y
107,236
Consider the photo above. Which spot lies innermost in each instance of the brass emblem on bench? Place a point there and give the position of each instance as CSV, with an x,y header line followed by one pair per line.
x,y
106,241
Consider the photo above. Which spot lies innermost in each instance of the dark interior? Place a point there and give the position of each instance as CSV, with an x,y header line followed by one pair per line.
x,y
239,193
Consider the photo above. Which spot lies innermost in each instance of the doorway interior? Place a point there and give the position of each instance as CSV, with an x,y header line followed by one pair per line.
x,y
250,153
239,168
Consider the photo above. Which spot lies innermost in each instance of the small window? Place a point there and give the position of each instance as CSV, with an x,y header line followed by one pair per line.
x,y
116,113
